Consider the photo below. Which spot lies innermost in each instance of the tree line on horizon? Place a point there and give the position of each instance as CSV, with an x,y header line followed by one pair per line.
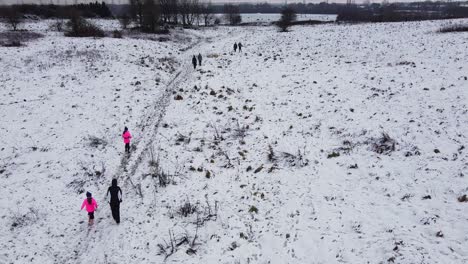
x,y
157,15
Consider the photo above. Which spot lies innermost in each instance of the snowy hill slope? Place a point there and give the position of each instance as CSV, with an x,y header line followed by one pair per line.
x,y
278,154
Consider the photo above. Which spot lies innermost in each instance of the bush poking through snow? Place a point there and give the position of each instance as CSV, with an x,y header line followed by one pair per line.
x,y
383,145
79,27
20,220
253,209
160,177
96,142
271,154
463,198
333,155
57,25
257,170
117,34
167,248
187,208
291,160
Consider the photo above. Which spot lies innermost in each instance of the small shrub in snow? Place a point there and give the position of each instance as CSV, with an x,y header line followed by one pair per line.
x,y
253,209
233,246
257,170
333,155
463,198
383,145
164,179
21,220
271,154
167,248
117,34
57,25
96,142
187,208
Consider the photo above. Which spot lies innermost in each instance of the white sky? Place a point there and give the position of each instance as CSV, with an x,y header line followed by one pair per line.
x,y
213,1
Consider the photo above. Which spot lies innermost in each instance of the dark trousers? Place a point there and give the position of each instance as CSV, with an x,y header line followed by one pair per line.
x,y
127,147
115,208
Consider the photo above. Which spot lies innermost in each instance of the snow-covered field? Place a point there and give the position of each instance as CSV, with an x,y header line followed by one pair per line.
x,y
278,149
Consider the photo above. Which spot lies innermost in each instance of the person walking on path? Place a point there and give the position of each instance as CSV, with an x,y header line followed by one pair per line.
x,y
194,62
126,137
91,206
115,200
240,46
235,47
199,59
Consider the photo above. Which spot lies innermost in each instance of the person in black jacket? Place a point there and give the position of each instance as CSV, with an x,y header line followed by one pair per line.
x,y
194,62
199,59
115,200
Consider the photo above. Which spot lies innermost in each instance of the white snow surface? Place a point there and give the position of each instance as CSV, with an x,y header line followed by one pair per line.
x,y
252,145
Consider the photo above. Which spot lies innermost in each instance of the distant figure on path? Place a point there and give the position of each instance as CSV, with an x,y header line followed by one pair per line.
x,y
194,62
199,59
91,206
235,47
240,46
115,200
126,137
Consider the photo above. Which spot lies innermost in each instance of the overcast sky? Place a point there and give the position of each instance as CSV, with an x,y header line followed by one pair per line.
x,y
213,1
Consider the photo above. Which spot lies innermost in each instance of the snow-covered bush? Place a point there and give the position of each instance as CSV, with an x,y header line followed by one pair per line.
x,y
80,27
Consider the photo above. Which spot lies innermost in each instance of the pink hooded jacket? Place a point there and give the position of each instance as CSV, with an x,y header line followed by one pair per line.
x,y
126,136
89,207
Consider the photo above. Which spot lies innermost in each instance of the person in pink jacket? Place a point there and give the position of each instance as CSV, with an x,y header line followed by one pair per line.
x,y
91,206
126,137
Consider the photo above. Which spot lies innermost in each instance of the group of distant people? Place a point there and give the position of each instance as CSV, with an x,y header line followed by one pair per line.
x,y
237,46
197,60
114,191
194,60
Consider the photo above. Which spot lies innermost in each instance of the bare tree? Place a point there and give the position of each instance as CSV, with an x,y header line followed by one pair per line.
x,y
151,15
207,14
165,10
195,12
124,21
174,10
136,11
288,15
13,17
232,14
184,10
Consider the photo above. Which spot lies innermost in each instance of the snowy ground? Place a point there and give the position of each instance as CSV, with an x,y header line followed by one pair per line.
x,y
275,146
